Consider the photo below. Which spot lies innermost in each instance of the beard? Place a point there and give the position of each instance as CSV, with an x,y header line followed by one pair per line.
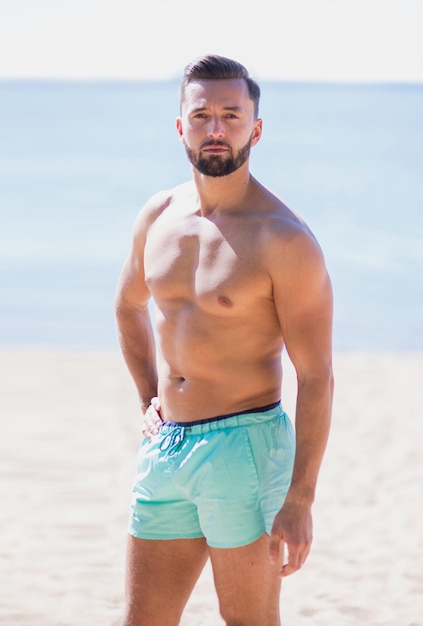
x,y
216,164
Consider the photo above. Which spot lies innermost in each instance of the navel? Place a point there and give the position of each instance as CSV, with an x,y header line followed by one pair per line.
x,y
224,301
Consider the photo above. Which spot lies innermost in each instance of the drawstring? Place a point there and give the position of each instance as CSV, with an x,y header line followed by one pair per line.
x,y
172,442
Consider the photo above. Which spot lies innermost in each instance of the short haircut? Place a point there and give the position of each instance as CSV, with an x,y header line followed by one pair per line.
x,y
215,67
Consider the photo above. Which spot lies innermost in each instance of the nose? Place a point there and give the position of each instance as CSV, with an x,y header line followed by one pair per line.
x,y
215,128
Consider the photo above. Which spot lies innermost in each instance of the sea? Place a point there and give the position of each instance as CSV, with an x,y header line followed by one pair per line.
x,y
79,159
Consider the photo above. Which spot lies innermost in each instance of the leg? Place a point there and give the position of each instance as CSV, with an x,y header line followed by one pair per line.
x,y
248,587
160,578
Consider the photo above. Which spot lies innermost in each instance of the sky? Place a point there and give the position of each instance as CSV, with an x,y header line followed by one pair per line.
x,y
304,40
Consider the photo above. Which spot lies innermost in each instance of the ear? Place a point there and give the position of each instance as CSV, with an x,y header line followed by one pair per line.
x,y
180,129
258,129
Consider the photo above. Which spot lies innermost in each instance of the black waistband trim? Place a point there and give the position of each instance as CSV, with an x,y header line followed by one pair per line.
x,y
261,409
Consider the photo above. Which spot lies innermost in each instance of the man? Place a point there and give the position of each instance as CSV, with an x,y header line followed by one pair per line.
x,y
234,276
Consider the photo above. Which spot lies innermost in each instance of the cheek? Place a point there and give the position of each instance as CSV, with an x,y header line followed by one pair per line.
x,y
189,136
184,136
184,130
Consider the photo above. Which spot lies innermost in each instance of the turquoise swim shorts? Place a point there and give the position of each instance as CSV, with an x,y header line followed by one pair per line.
x,y
223,478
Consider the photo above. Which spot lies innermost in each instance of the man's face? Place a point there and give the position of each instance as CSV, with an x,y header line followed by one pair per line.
x,y
217,125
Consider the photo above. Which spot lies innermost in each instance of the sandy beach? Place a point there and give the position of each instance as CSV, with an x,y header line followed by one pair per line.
x,y
67,458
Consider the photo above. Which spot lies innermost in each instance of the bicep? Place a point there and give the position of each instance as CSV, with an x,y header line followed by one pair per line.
x,y
132,289
304,304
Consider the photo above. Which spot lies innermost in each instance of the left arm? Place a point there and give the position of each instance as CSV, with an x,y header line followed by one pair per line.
x,y
303,300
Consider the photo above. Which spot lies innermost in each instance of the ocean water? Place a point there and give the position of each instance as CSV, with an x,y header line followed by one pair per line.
x,y
78,160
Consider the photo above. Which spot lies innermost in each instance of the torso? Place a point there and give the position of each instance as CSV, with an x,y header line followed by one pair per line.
x,y
218,332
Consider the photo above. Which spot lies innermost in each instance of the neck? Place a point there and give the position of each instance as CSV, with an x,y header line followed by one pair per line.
x,y
223,193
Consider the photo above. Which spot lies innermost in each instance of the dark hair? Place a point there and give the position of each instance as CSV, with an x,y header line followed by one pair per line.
x,y
215,67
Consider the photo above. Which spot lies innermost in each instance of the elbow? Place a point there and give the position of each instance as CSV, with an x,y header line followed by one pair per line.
x,y
120,307
320,382
125,309
327,380
331,380
327,388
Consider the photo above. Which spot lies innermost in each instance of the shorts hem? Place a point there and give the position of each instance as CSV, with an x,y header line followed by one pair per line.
x,y
236,544
158,537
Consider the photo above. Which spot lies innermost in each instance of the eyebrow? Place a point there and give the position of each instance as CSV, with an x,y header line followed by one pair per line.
x,y
234,108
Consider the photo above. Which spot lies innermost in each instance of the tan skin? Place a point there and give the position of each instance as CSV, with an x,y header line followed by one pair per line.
x,y
235,277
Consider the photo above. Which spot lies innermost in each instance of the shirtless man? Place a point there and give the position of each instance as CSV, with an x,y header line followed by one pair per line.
x,y
234,276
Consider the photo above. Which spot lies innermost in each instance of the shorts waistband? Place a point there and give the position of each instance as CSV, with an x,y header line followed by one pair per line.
x,y
229,420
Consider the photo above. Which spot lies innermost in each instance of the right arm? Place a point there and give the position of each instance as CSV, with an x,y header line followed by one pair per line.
x,y
136,335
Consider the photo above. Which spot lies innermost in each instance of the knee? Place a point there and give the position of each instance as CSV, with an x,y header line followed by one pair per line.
x,y
241,616
236,621
232,617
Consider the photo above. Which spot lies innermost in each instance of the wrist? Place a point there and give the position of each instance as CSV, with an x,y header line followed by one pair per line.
x,y
300,495
145,403
152,401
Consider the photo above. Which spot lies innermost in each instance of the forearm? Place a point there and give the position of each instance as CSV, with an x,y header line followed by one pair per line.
x,y
138,348
312,423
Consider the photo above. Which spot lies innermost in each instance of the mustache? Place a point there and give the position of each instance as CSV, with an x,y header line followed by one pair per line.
x,y
209,144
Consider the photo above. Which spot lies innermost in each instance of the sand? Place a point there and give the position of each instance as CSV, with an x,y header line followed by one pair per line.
x,y
67,458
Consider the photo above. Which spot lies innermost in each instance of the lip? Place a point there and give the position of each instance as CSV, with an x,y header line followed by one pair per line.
x,y
215,149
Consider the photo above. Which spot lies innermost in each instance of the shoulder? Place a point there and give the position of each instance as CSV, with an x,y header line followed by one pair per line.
x,y
156,205
288,235
291,250
295,263
284,231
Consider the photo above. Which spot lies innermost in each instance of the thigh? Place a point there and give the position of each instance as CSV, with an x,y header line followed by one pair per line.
x,y
247,585
160,577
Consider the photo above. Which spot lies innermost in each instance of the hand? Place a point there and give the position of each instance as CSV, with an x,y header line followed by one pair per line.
x,y
152,419
294,526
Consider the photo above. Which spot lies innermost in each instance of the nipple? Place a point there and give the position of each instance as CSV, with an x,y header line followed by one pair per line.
x,y
224,301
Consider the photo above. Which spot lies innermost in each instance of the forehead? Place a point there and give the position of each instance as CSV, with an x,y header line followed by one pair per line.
x,y
231,92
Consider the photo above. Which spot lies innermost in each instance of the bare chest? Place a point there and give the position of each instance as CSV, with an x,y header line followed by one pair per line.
x,y
195,260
